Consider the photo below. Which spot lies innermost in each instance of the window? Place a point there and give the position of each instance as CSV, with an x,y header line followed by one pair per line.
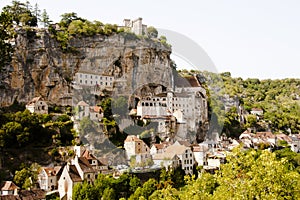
x,y
80,75
111,79
91,77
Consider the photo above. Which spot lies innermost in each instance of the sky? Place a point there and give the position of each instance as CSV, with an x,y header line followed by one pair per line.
x,y
249,38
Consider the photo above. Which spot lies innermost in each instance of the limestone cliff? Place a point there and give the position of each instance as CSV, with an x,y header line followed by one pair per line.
x,y
39,67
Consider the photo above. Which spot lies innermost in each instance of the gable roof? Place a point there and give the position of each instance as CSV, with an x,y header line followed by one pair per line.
x,y
85,165
133,138
165,156
34,100
88,155
176,149
8,185
185,143
73,173
33,194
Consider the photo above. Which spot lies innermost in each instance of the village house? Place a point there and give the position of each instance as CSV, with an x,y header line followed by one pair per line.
x,y
94,113
68,179
37,105
8,188
84,167
184,154
200,152
166,160
48,178
98,165
137,149
159,148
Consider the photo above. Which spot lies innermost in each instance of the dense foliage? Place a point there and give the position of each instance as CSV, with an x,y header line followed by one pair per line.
x,y
247,174
279,100
23,129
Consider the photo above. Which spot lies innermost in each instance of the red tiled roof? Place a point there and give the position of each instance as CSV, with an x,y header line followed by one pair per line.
x,y
132,138
8,185
85,165
96,109
88,155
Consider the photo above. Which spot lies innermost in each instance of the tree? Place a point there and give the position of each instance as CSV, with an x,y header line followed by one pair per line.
x,y
45,18
257,175
152,32
109,193
27,176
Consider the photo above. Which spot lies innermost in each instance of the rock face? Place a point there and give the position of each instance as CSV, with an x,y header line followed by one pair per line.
x,y
39,67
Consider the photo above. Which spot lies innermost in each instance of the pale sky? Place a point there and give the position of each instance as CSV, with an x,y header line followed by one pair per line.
x,y
254,38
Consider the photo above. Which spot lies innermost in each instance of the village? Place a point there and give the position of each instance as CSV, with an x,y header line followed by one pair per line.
x,y
176,111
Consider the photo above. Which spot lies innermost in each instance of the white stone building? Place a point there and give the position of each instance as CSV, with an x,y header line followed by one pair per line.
x,y
37,105
136,26
48,178
87,78
185,155
136,148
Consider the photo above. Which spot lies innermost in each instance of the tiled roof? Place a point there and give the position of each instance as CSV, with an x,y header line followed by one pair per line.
x,y
8,185
176,149
74,175
96,109
34,100
34,194
10,197
164,156
88,155
85,165
185,143
133,138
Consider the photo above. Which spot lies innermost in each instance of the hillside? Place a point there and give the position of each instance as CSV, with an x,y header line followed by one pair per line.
x,y
232,100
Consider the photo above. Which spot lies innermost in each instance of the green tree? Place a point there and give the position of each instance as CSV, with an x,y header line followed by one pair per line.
x,y
45,18
152,32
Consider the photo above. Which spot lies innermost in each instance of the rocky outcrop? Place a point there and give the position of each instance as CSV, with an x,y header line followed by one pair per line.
x,y
39,67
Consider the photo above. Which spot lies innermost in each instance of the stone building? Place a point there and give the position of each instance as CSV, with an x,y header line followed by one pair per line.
x,y
88,78
136,26
37,105
137,148
48,178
